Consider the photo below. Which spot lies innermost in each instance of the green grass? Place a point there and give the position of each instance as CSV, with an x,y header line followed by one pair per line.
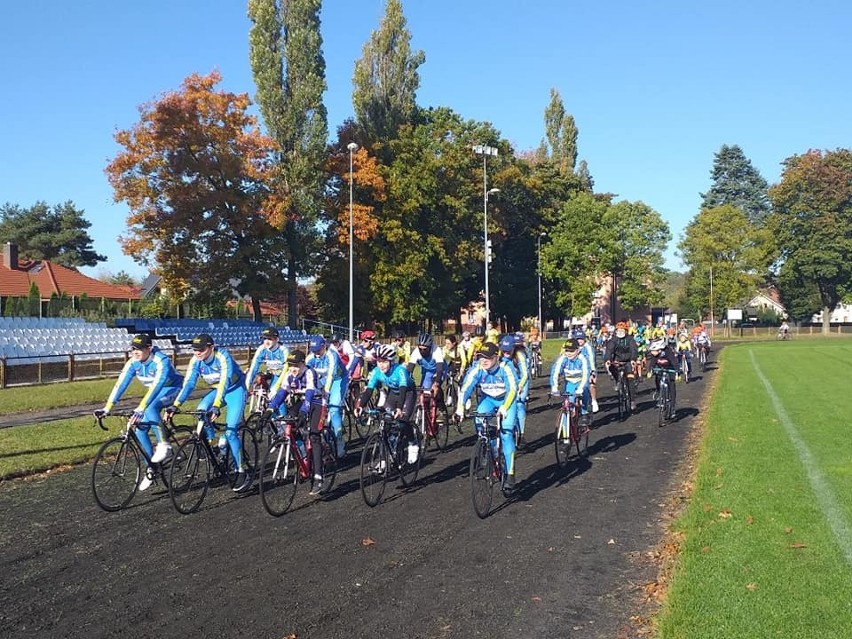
x,y
759,557
24,399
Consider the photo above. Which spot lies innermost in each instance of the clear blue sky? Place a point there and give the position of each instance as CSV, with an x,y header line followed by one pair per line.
x,y
656,87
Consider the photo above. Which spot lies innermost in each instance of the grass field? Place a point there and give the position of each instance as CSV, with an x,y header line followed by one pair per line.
x,y
767,536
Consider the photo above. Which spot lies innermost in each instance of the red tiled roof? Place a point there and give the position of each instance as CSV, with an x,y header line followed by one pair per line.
x,y
53,278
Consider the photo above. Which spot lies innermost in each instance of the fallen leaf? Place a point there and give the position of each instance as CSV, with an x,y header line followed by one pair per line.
x,y
798,544
705,550
536,598
749,520
368,541
611,541
707,508
551,549
787,531
725,514
752,586
719,472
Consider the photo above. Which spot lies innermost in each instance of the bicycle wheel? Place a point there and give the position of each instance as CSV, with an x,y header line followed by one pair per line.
x,y
482,478
408,471
420,423
452,397
189,476
703,360
329,463
684,369
663,404
279,479
248,456
562,443
116,473
442,431
374,469
582,441
623,399
364,425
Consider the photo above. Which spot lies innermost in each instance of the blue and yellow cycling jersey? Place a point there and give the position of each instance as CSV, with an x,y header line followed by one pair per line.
x,y
219,370
575,371
329,367
499,382
155,373
275,359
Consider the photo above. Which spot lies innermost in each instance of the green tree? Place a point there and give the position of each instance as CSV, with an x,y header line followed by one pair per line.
x,y
57,233
812,224
723,240
289,71
560,143
386,80
738,183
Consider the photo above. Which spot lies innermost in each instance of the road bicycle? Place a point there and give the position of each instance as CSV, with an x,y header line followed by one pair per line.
x,y
684,357
430,427
665,394
451,389
702,356
385,454
571,431
621,382
198,462
352,424
288,464
487,465
536,363
121,463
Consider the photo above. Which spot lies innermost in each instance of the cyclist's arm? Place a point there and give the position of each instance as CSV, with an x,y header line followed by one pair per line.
x,y
121,384
512,387
227,367
189,383
555,371
254,367
160,377
468,384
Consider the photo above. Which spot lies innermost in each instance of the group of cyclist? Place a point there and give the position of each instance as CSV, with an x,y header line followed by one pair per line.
x,y
311,384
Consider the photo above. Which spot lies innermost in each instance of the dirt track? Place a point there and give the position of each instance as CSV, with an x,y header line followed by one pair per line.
x,y
562,558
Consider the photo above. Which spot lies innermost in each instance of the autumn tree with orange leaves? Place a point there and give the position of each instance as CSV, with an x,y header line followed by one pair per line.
x,y
192,171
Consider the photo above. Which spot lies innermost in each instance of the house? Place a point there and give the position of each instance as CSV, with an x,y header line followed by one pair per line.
x,y
17,277
767,300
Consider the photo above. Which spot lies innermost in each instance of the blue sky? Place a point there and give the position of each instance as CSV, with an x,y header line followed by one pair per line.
x,y
656,87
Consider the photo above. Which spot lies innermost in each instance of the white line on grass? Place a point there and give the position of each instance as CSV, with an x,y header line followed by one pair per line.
x,y
825,497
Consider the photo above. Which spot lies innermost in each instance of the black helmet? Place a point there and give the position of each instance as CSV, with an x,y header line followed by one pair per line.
x,y
270,332
425,340
335,338
141,341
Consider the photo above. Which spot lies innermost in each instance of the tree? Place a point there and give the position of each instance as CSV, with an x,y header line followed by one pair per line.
x,y
289,71
386,79
723,240
192,172
738,183
560,143
58,233
812,224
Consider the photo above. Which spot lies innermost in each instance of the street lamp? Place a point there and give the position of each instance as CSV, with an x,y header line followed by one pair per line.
x,y
485,151
540,323
352,148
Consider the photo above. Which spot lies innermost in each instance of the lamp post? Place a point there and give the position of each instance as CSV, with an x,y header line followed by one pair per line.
x,y
352,148
485,151
540,322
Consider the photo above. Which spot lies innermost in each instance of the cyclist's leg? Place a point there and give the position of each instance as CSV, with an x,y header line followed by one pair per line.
x,y
235,403
507,439
142,430
630,377
335,403
522,413
205,404
316,440
585,408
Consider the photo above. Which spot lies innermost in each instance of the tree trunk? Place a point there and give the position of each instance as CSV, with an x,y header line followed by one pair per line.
x,y
292,294
826,320
257,314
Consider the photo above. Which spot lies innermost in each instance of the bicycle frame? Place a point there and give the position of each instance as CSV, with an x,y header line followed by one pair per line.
x,y
490,432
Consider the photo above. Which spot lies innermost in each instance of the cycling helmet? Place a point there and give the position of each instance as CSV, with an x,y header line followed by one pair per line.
x,y
368,335
385,352
296,357
507,344
519,338
570,345
425,341
657,344
466,335
480,332
578,334
270,332
316,343
621,326
335,338
398,334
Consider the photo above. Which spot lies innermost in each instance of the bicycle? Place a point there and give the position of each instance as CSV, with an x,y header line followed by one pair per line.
x,y
487,466
622,390
385,452
361,425
535,362
684,365
118,465
198,462
570,432
429,427
288,463
258,419
451,389
702,357
665,394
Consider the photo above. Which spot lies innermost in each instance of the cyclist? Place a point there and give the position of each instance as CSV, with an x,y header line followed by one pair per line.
x,y
153,369
401,394
271,353
784,330
498,384
641,349
620,354
403,348
363,360
219,370
300,381
333,377
453,356
430,358
512,351
661,355
574,368
588,351
344,348
466,346
492,334
683,349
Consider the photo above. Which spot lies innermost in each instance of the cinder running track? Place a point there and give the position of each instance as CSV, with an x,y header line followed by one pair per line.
x,y
557,560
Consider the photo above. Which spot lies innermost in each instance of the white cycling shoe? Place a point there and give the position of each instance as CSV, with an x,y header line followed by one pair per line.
x,y
161,452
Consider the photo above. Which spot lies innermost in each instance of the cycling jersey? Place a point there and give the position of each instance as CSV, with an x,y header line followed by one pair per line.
x,y
218,370
400,387
621,349
575,372
431,365
499,383
304,383
274,358
156,374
